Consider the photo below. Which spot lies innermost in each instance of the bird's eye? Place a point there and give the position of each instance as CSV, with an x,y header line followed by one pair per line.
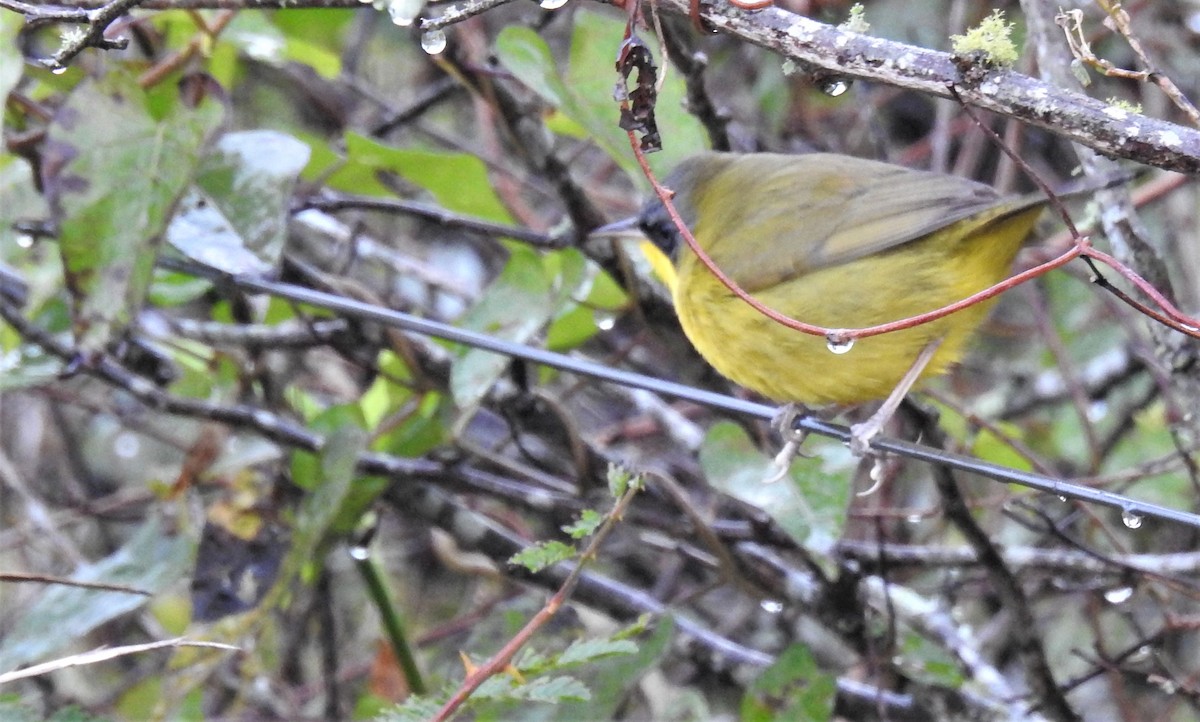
x,y
661,231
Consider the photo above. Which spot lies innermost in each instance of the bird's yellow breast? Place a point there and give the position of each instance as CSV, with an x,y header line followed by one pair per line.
x,y
790,366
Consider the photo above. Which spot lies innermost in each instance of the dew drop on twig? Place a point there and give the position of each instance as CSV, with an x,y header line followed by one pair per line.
x,y
835,87
838,343
433,41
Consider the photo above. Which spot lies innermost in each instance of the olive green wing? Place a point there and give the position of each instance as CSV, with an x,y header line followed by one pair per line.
x,y
791,215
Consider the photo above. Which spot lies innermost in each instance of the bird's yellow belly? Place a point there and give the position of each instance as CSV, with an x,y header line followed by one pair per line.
x,y
790,366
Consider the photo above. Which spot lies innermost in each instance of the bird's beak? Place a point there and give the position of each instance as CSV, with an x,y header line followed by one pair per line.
x,y
628,229
625,228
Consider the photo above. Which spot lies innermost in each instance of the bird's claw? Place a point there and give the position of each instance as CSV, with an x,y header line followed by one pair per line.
x,y
785,423
861,436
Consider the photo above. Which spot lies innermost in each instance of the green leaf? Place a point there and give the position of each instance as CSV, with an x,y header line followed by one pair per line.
x,y
257,37
175,289
589,650
11,63
614,670
607,294
514,307
794,689
413,709
808,503
150,561
588,522
16,711
21,201
585,94
332,483
523,52
571,329
121,171
420,429
537,557
309,469
457,181
326,62
235,217
928,662
620,480
555,689
319,26
990,447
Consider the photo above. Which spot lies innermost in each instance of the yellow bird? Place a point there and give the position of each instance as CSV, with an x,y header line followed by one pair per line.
x,y
838,242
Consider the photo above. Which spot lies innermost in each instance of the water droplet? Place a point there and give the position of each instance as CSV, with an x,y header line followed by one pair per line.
x,y
126,445
1131,519
1120,595
359,552
1062,498
914,518
552,4
24,240
838,342
771,606
433,41
404,12
606,322
835,87
55,67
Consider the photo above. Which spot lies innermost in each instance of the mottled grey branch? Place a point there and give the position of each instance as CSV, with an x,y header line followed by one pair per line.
x,y
1087,121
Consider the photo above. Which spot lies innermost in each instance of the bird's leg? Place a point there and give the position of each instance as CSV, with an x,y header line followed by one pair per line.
x,y
784,422
861,434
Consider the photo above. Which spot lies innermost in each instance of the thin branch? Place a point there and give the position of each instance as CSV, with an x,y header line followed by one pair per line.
x,y
106,654
1038,674
1119,19
852,55
503,658
1026,559
285,431
18,577
97,22
837,51
432,213
460,12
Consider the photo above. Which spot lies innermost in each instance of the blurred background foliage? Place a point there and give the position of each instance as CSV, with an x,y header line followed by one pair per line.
x,y
328,148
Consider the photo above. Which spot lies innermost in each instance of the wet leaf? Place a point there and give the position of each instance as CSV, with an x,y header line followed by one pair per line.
x,y
808,503
150,561
113,173
235,217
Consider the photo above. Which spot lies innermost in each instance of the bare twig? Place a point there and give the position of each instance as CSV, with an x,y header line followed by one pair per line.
x,y
1072,24
1093,123
15,577
105,654
274,427
92,36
